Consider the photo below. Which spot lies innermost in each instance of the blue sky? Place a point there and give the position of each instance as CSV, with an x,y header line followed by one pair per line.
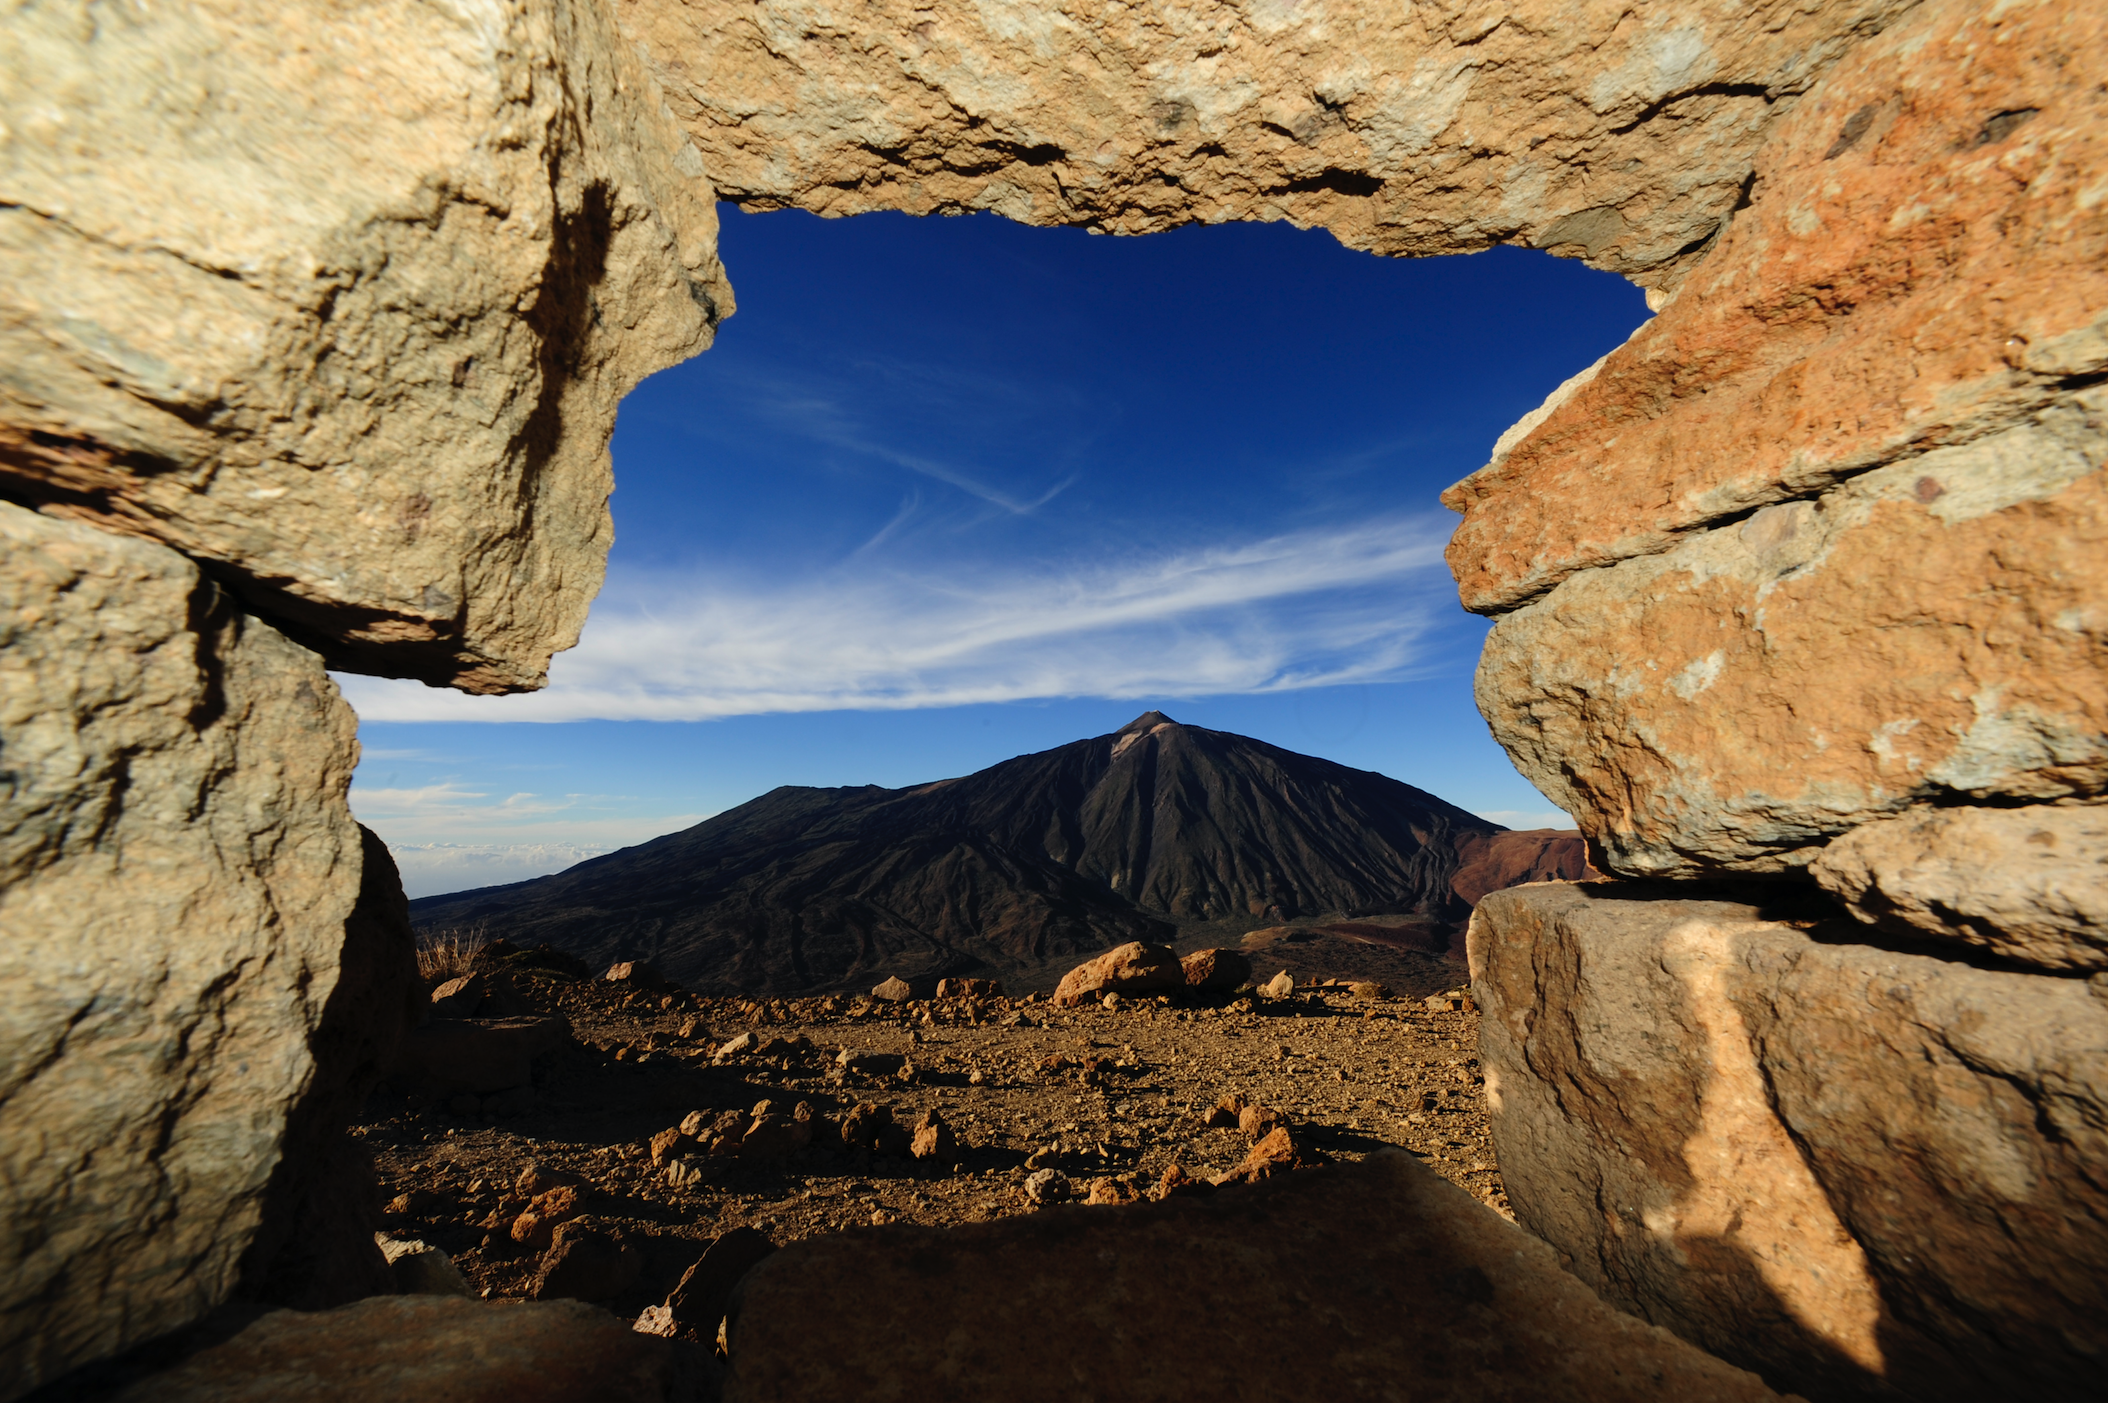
x,y
950,490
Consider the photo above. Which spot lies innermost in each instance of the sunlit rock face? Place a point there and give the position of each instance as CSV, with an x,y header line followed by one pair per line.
x,y
1834,1164
340,301
177,866
1619,135
1823,541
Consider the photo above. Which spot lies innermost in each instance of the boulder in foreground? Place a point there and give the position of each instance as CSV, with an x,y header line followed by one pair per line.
x,y
1130,969
432,1349
1373,1280
1852,1168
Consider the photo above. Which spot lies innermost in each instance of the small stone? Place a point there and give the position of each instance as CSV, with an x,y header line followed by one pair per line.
x,y
969,989
733,1047
696,1122
420,1269
1176,1182
1364,989
1047,1186
1281,986
1226,1112
933,1139
893,990
683,1174
459,998
635,972
1113,1190
1259,1121
537,1226
1274,1154
775,1137
1111,1003
668,1144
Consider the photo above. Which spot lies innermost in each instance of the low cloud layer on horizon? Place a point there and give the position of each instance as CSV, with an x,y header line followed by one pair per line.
x,y
1311,608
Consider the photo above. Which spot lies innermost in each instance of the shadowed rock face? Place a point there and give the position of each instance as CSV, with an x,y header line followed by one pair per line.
x,y
1367,1281
1037,859
1845,1167
178,870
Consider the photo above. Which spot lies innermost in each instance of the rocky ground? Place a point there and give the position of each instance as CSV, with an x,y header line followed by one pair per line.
x,y
1110,1099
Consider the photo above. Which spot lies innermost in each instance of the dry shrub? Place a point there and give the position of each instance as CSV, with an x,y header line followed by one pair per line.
x,y
447,954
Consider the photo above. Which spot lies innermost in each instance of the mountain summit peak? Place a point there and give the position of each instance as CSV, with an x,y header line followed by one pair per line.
x,y
1146,721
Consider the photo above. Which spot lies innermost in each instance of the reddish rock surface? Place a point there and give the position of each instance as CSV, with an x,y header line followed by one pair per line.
x,y
1489,862
1127,970
1375,1280
1845,1167
1216,971
1924,259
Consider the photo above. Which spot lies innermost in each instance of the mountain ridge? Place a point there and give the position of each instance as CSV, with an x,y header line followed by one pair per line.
x,y
1130,835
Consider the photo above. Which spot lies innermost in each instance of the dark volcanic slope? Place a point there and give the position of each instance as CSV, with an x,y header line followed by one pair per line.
x,y
1037,859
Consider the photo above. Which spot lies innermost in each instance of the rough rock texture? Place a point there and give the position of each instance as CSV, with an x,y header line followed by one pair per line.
x,y
1924,260
1127,969
177,866
2029,884
431,1349
341,301
1828,1162
314,1247
1375,1280
1590,129
1929,631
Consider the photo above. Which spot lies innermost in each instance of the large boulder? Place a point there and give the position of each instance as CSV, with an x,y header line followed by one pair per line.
x,y
1877,649
1375,1280
1133,968
1589,128
341,301
178,868
1855,313
1844,1167
1846,489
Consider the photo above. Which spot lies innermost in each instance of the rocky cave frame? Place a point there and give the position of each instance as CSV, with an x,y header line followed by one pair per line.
x,y
313,350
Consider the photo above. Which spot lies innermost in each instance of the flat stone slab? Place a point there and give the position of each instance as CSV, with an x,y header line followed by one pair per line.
x,y
1373,1280
432,1349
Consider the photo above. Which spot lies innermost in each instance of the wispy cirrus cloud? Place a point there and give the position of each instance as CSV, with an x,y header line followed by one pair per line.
x,y
1308,608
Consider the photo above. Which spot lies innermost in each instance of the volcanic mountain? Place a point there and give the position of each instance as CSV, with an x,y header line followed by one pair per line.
x,y
1029,864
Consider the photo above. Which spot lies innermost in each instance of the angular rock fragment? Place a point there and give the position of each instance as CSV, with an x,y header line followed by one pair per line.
x,y
2027,884
586,1261
1216,971
932,1139
893,989
1281,986
957,988
698,1303
420,1269
1273,1153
